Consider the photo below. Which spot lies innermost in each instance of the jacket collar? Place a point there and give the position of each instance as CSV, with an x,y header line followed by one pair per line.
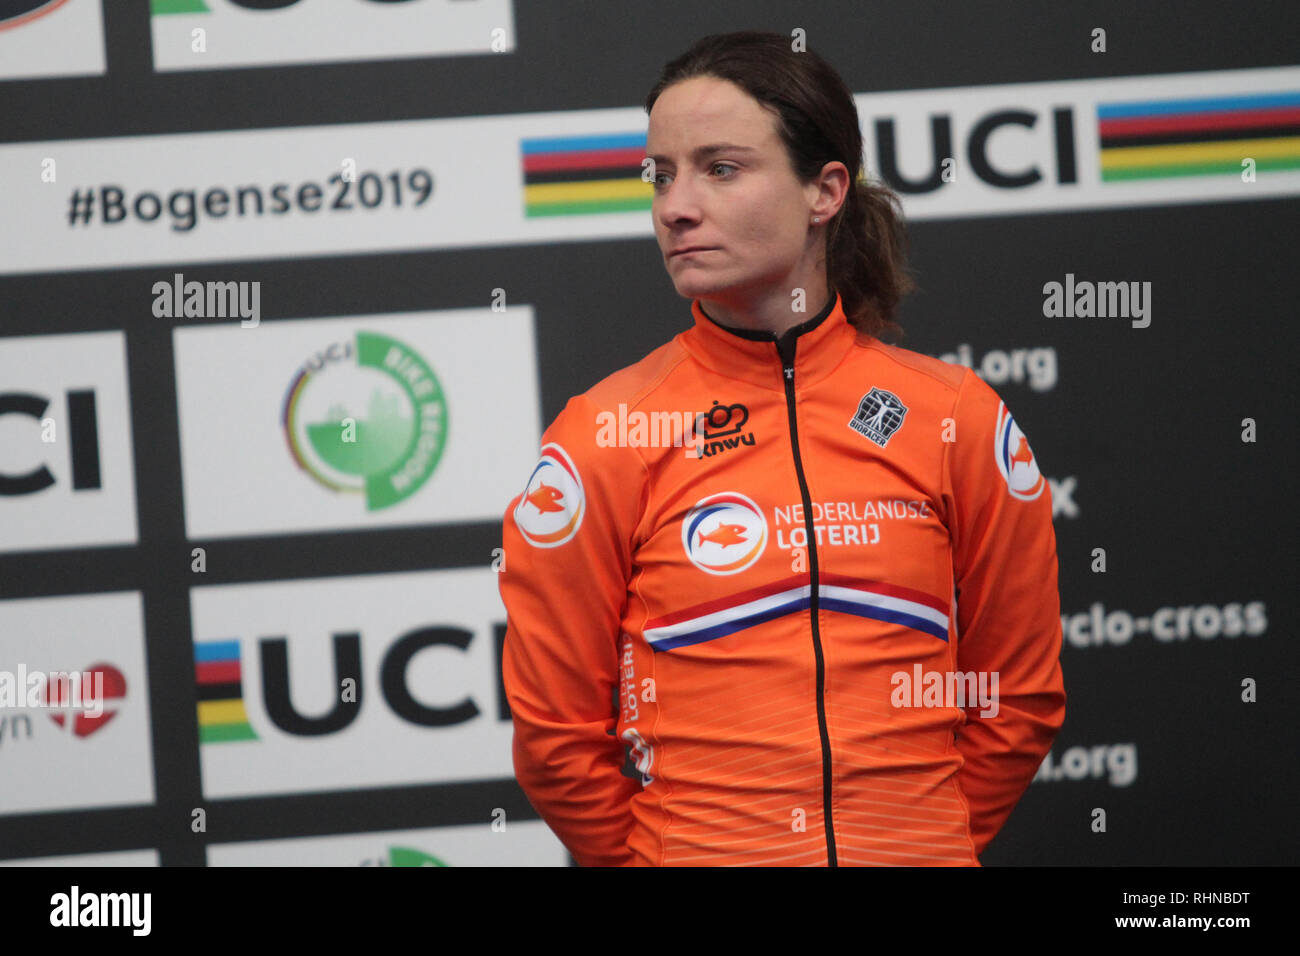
x,y
820,344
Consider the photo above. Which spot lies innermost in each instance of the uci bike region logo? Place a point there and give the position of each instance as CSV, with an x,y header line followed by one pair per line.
x,y
724,533
553,503
404,856
1016,462
879,415
368,417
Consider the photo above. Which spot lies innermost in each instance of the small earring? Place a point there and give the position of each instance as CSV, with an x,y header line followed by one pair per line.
x,y
817,218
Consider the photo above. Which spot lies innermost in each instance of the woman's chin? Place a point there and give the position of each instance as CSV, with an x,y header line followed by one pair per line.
x,y
695,287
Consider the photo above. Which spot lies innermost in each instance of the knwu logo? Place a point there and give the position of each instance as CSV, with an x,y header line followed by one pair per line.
x,y
722,428
385,453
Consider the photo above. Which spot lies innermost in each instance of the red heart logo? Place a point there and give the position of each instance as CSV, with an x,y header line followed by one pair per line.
x,y
84,724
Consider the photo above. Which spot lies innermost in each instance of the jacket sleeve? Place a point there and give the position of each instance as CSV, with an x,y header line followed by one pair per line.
x,y
1008,606
567,562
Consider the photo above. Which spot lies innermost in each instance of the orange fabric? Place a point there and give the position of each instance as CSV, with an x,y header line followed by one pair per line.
x,y
664,683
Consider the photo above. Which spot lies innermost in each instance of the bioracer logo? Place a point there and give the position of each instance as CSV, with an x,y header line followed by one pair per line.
x,y
879,415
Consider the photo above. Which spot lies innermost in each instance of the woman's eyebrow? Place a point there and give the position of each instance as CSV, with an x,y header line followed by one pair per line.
x,y
702,151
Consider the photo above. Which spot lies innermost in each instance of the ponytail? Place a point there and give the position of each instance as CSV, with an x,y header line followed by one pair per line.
x,y
866,259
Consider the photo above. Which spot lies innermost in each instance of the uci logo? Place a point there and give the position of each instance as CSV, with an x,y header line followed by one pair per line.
x,y
223,718
724,533
1016,462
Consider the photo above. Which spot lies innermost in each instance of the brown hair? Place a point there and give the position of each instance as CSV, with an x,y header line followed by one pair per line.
x,y
866,243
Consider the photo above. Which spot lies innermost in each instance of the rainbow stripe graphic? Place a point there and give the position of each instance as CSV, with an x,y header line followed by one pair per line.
x,y
1159,139
582,175
217,672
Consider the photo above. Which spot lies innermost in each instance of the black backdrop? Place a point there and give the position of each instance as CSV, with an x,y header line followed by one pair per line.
x,y
1187,512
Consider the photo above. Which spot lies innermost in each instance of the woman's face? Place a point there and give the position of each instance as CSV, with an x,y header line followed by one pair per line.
x,y
741,202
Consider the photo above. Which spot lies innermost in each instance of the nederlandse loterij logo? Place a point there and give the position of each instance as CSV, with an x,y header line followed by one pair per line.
x,y
1016,462
724,533
553,503
368,417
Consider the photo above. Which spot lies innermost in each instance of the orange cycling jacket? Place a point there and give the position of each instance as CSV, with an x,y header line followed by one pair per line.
x,y
781,601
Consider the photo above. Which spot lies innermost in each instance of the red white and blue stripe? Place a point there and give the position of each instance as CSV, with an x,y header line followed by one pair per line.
x,y
877,600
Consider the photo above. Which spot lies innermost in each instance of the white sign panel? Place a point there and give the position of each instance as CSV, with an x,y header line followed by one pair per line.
x,y
509,843
356,422
46,38
67,474
208,34
536,178
68,749
350,682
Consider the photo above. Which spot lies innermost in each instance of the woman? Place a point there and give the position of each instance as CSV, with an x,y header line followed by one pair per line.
x,y
742,646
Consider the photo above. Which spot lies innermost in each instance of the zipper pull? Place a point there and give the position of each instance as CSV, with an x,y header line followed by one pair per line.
x,y
789,371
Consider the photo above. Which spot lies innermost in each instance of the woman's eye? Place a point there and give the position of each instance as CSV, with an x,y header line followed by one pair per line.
x,y
659,179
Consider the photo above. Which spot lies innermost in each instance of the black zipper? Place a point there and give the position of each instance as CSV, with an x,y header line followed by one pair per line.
x,y
785,347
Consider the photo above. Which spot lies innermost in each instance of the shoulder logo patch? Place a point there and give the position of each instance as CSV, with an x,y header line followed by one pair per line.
x,y
553,503
1017,463
879,415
